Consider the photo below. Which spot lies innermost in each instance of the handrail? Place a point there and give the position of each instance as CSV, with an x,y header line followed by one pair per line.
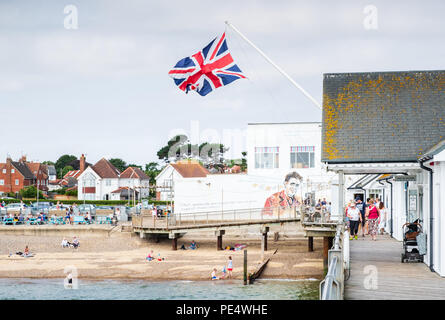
x,y
332,287
329,283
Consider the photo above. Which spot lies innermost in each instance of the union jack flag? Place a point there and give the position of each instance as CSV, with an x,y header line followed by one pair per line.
x,y
208,69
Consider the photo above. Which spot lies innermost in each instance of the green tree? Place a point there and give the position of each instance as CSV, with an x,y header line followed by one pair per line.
x,y
66,169
212,153
134,166
152,170
179,147
174,148
72,193
31,192
62,162
50,163
120,164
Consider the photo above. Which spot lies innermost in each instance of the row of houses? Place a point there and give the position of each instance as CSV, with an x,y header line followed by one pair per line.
x,y
103,181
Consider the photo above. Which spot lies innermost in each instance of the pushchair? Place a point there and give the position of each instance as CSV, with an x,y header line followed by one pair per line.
x,y
411,231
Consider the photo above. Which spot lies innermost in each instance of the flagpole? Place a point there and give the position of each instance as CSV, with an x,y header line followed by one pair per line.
x,y
276,67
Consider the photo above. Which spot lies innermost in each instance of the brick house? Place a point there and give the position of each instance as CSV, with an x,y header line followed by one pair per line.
x,y
14,176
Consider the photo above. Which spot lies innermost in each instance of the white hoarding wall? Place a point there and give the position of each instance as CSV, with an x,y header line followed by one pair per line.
x,y
250,196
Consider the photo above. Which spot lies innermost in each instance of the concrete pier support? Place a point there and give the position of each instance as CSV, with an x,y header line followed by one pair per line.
x,y
264,231
327,244
310,244
219,234
174,237
141,235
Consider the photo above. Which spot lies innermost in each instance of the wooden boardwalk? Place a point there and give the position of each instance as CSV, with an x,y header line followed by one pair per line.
x,y
395,280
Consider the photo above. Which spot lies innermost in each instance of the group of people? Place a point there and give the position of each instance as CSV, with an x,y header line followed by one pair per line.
x,y
370,217
75,244
151,257
224,273
69,217
193,246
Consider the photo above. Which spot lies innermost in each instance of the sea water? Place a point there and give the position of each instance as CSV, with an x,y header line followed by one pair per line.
x,y
50,289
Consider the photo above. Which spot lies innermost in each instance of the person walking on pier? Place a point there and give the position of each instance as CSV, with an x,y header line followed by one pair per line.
x,y
383,217
373,215
362,208
354,219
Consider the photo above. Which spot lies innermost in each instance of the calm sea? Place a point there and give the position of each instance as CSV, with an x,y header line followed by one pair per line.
x,y
49,289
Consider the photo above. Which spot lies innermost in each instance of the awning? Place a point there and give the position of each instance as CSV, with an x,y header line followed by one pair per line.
x,y
374,168
363,181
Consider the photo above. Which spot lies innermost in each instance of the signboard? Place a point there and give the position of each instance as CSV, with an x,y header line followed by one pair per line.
x,y
405,178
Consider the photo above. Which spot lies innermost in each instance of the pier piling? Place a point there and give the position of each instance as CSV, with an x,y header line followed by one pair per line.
x,y
310,244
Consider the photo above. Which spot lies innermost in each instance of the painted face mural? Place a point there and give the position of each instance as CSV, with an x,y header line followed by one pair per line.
x,y
286,198
291,187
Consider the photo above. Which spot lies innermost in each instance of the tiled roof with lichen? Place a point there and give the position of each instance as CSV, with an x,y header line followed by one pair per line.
x,y
382,116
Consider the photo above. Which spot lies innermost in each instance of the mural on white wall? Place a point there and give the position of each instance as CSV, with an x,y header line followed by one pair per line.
x,y
223,193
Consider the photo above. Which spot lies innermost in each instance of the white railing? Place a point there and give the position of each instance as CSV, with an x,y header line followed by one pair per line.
x,y
332,287
238,215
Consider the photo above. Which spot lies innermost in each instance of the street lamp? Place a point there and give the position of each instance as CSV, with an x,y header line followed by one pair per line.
x,y
129,186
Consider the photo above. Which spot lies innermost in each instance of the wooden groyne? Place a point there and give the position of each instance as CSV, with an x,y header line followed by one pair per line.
x,y
257,273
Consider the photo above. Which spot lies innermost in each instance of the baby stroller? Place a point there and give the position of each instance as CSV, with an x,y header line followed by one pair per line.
x,y
410,246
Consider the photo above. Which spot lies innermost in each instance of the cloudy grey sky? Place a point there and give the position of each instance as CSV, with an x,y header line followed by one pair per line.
x,y
103,89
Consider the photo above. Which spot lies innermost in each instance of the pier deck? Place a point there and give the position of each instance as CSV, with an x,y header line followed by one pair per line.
x,y
395,280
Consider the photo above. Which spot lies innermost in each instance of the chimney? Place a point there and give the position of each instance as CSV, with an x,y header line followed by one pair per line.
x,y
82,163
8,178
23,159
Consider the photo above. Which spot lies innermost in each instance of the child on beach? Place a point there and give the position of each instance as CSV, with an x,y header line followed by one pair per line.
x,y
224,272
193,245
214,277
230,266
150,256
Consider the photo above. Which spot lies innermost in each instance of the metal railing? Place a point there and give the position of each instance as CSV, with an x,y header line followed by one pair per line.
x,y
332,287
217,217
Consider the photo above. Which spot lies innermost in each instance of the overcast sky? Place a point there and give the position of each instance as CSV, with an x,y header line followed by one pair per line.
x,y
103,89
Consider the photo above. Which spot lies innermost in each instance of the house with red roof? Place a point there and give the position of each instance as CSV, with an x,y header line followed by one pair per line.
x,y
16,175
103,181
184,169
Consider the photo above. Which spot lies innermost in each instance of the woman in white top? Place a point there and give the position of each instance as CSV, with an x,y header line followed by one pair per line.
x,y
383,218
354,219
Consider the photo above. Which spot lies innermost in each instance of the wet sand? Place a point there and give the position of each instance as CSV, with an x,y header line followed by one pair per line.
x,y
123,257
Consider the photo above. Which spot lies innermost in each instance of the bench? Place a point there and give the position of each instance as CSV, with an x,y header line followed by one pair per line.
x,y
78,220
32,221
9,221
103,220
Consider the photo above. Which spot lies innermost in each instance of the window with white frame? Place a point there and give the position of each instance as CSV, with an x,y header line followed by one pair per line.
x,y
2,182
17,182
266,157
302,157
108,182
4,170
12,170
89,180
